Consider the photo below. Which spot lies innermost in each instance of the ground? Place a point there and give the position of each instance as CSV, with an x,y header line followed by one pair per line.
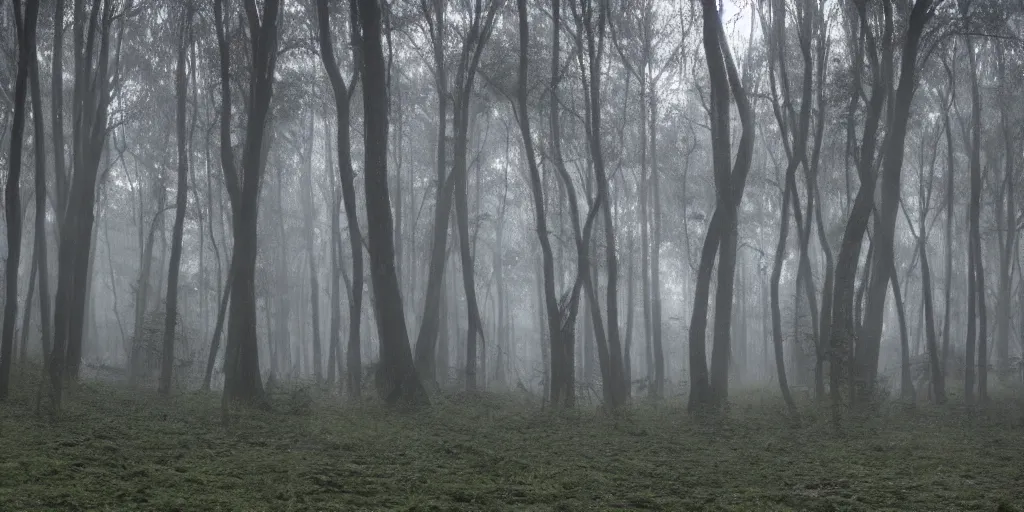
x,y
115,450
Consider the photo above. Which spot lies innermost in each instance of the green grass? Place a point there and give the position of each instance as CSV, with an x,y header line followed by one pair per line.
x,y
114,450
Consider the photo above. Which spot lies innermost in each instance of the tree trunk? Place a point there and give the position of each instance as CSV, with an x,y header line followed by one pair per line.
x,y
869,343
977,267
938,384
656,327
309,213
12,192
40,251
906,380
397,380
342,101
722,229
241,363
170,319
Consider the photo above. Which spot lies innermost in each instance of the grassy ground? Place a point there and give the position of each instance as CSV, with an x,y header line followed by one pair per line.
x,y
112,450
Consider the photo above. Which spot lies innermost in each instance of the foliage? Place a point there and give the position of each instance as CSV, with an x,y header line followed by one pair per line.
x,y
113,450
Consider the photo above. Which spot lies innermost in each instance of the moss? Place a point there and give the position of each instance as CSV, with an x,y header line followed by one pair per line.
x,y
117,450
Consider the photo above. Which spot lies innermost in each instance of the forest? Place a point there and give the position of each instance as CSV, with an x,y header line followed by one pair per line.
x,y
512,254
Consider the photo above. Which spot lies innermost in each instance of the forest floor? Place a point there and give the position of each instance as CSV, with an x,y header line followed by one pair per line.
x,y
116,450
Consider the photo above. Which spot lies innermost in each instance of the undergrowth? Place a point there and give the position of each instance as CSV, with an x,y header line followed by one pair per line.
x,y
112,449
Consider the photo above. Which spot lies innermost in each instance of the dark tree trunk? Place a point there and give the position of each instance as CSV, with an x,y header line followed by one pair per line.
x,y
844,318
12,193
241,362
217,331
397,380
91,99
906,380
712,391
171,316
938,383
869,343
342,101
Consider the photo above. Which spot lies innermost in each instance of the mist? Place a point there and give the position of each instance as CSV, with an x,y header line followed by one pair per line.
x,y
433,227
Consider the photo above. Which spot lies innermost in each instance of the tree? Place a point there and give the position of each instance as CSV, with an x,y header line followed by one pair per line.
x,y
181,201
92,97
241,362
721,235
26,30
397,380
453,186
342,101
553,316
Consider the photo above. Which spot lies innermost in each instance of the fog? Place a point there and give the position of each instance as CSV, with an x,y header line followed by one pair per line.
x,y
579,203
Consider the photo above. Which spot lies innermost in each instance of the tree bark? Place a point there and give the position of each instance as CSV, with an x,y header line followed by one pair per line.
x,y
181,201
869,343
241,363
26,31
397,379
342,102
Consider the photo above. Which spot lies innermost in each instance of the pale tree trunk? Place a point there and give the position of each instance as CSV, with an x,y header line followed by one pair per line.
x,y
308,214
976,261
1002,339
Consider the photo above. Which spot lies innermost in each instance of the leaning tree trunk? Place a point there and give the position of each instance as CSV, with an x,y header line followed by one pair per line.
x,y
906,381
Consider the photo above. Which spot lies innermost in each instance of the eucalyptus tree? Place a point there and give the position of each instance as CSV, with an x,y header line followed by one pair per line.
x,y
649,56
181,199
94,88
342,103
451,188
721,237
241,362
26,30
396,379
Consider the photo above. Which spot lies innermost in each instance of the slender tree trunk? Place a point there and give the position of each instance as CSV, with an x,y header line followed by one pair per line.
x,y
950,165
181,88
12,192
906,380
868,345
656,327
26,317
308,213
938,383
342,100
218,329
